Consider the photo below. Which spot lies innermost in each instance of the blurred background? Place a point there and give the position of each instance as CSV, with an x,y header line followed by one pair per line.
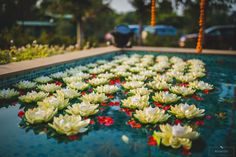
x,y
88,23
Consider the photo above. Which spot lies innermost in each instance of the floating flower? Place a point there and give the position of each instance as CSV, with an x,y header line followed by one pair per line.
x,y
163,78
136,101
133,124
21,114
151,115
199,122
59,75
70,93
176,135
71,79
106,75
107,89
165,97
185,78
96,70
83,109
25,85
182,90
69,124
6,94
152,141
43,79
40,114
198,98
140,91
127,111
133,84
50,88
103,120
98,81
57,101
200,85
136,78
78,85
186,111
33,96
81,75
159,85
94,97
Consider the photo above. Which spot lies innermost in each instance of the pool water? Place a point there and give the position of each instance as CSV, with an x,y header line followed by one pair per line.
x,y
121,140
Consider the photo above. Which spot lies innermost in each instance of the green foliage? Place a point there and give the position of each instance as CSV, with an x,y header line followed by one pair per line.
x,y
31,51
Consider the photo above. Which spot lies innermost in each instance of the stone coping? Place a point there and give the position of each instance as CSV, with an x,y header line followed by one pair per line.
x,y
24,66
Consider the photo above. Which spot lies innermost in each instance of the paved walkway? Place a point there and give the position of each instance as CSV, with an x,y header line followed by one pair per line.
x,y
24,66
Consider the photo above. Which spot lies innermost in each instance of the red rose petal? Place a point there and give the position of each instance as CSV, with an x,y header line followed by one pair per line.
x,y
177,121
127,111
83,93
185,151
166,107
91,122
208,117
183,84
158,104
21,114
104,104
199,123
103,120
116,103
133,124
206,91
152,141
58,83
73,137
110,96
198,98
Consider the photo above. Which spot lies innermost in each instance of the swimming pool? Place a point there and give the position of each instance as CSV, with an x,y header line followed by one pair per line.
x,y
119,139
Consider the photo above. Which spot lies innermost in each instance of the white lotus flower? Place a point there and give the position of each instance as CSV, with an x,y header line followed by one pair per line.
x,y
151,115
165,97
163,78
136,101
182,90
200,85
185,78
43,79
159,85
98,81
70,93
94,98
136,78
40,114
57,101
140,91
176,135
186,111
25,85
59,75
71,79
83,109
50,88
69,124
78,85
33,96
106,75
96,70
107,89
133,84
81,75
6,94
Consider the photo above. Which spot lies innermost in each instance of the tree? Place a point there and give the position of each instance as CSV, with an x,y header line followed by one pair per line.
x,y
142,10
82,11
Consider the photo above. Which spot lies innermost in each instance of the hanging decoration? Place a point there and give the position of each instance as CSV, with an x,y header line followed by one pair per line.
x,y
153,13
201,26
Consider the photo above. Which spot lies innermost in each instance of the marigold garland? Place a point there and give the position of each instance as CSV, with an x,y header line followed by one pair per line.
x,y
153,13
201,26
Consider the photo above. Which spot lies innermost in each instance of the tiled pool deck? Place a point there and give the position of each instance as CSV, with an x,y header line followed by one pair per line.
x,y
10,73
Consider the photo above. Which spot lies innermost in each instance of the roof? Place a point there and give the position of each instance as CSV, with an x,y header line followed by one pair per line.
x,y
36,23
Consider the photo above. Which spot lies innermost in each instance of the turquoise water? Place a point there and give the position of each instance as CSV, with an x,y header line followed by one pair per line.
x,y
103,141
